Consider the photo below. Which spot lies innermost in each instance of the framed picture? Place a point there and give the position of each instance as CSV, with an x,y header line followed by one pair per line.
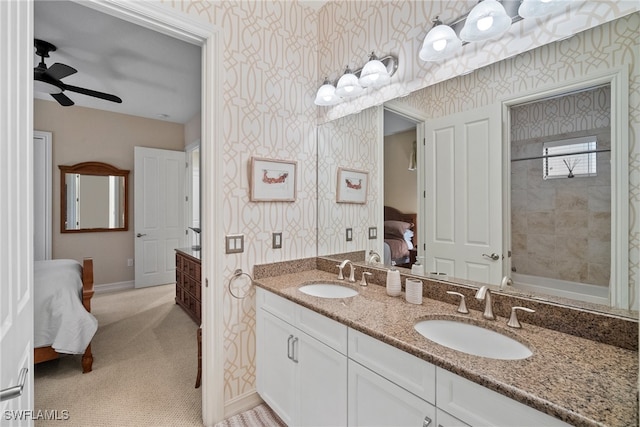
x,y
353,186
272,180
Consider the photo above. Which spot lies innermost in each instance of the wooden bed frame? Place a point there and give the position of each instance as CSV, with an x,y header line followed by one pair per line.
x,y
43,354
393,214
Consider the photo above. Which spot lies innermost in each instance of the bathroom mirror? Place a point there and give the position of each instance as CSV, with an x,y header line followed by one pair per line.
x,y
93,197
358,137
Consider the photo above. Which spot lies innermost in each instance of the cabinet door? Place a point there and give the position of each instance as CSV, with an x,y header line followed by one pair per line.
x,y
446,420
375,401
322,382
274,370
480,406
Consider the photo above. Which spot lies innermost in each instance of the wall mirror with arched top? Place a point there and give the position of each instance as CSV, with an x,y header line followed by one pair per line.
x,y
93,197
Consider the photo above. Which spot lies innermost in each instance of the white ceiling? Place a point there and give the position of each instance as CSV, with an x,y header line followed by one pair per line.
x,y
154,74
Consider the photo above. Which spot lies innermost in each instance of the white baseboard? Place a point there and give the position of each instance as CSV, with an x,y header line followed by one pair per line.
x,y
112,287
241,403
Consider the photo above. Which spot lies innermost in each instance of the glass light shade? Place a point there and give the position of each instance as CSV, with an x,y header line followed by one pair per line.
x,y
348,85
537,8
441,42
486,20
374,74
326,95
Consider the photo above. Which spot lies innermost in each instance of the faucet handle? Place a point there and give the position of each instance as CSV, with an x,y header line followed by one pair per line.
x,y
462,307
363,282
340,275
513,320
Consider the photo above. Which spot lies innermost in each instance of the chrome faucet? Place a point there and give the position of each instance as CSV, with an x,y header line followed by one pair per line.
x,y
484,294
506,281
374,257
341,266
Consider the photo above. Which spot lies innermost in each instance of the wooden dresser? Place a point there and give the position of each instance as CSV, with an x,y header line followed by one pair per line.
x,y
188,286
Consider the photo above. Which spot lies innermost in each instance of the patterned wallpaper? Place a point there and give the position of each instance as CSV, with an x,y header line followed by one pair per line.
x,y
270,67
561,228
275,56
348,142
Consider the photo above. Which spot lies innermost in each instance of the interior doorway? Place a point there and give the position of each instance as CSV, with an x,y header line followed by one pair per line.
x,y
172,23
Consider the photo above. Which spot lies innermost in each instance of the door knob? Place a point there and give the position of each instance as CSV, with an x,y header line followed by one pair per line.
x,y
16,390
494,256
140,235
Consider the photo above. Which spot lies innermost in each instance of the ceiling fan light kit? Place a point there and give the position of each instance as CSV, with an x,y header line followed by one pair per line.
x,y
49,79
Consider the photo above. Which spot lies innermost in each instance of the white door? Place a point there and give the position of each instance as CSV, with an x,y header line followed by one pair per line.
x,y
158,214
16,214
463,195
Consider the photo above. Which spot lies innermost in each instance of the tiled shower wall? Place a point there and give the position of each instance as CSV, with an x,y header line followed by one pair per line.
x,y
561,228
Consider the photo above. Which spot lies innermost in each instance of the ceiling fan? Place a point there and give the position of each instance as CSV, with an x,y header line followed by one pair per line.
x,y
48,80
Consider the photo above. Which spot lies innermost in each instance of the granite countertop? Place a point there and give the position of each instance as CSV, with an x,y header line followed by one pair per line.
x,y
582,382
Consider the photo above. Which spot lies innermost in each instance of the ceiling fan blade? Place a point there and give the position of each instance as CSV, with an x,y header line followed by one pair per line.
x,y
93,93
59,71
62,99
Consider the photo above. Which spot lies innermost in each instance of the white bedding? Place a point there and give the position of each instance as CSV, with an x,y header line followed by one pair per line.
x,y
60,319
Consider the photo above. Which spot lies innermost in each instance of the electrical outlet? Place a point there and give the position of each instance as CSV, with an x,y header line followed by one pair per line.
x,y
130,262
349,234
276,240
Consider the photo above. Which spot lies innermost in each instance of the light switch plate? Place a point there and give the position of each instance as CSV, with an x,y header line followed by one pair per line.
x,y
373,233
349,234
234,243
276,240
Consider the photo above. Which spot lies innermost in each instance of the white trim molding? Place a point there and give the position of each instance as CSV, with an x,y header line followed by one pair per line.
x,y
164,19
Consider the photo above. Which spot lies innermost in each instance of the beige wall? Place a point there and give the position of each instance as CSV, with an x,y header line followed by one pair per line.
x,y
82,135
400,184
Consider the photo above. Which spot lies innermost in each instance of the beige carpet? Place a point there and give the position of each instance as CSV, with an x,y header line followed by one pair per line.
x,y
144,369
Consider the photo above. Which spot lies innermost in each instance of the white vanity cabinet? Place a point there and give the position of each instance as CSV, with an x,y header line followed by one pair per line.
x,y
303,379
480,406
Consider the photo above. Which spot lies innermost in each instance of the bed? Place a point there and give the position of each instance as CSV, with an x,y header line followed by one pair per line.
x,y
63,323
400,237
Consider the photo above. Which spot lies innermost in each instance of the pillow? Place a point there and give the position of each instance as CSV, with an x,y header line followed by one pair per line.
x,y
396,228
408,235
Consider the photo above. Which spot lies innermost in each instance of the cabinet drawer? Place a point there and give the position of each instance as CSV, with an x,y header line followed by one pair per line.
x,y
477,405
404,369
328,331
278,306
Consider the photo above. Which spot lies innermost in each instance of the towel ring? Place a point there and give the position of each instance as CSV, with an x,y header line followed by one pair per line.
x,y
236,274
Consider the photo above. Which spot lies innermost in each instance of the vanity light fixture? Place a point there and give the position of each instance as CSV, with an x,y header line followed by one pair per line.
x,y
326,95
440,43
376,72
538,8
348,85
487,20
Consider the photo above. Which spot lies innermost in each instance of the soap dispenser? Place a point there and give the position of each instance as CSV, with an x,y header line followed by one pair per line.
x,y
417,268
394,287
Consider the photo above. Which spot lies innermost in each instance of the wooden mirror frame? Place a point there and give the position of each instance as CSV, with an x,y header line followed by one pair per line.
x,y
96,169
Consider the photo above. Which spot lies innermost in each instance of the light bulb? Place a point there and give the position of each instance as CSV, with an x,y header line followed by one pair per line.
x,y
439,45
485,23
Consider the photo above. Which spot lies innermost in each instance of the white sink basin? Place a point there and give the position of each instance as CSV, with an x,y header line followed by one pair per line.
x,y
472,339
328,290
